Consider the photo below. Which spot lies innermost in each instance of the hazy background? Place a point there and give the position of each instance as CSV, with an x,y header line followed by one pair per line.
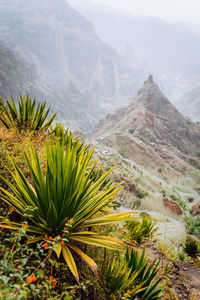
x,y
89,57
169,10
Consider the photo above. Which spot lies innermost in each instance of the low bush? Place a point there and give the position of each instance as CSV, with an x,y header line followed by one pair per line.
x,y
62,201
190,199
27,115
139,230
141,194
193,225
192,247
132,277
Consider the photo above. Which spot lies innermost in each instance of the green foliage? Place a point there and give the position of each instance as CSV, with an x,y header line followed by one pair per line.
x,y
168,250
141,194
63,202
190,199
20,262
131,130
28,115
160,170
132,277
139,230
198,153
143,139
67,137
193,225
191,247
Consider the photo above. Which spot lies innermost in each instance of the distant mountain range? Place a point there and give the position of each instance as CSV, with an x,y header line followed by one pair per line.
x,y
151,132
79,75
169,51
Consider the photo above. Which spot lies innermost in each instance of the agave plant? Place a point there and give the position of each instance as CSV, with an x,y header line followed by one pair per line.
x,y
140,230
132,276
28,114
64,202
67,137
147,274
192,247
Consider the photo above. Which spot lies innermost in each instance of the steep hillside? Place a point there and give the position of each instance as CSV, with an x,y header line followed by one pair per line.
x,y
152,132
81,76
14,74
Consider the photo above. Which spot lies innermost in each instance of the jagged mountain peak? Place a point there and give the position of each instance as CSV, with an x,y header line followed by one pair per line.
x,y
151,119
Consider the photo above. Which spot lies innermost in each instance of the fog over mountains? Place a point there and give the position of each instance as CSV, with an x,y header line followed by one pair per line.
x,y
169,51
79,75
88,63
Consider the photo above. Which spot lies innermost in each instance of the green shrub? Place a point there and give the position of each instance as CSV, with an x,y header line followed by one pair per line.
x,y
143,139
141,194
193,225
132,277
131,130
190,199
191,247
160,170
28,115
198,153
139,230
61,203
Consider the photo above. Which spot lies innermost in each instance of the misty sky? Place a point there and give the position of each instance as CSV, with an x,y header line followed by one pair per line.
x,y
170,10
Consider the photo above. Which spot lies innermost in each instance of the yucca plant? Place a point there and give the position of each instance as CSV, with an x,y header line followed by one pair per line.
x,y
132,276
139,230
147,274
192,247
63,202
66,136
26,115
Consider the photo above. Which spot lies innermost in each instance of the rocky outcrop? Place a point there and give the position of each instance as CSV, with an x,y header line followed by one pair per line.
x,y
196,209
173,207
151,131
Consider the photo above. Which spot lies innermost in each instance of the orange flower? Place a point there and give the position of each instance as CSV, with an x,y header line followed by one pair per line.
x,y
54,283
50,238
29,279
51,278
46,236
26,226
34,278
62,242
59,236
45,246
11,210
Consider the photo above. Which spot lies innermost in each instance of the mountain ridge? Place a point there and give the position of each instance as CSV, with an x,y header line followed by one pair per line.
x,y
64,49
150,128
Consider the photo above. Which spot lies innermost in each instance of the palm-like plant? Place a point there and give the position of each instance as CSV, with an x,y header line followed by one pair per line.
x,y
63,202
28,114
192,247
146,274
140,230
133,276
67,137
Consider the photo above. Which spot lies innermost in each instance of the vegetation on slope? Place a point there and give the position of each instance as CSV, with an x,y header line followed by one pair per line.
x,y
53,198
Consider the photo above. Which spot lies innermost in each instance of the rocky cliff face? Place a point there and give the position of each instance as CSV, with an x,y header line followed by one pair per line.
x,y
80,76
152,131
14,73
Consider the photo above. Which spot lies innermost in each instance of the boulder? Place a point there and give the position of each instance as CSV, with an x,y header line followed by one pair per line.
x,y
173,207
196,209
